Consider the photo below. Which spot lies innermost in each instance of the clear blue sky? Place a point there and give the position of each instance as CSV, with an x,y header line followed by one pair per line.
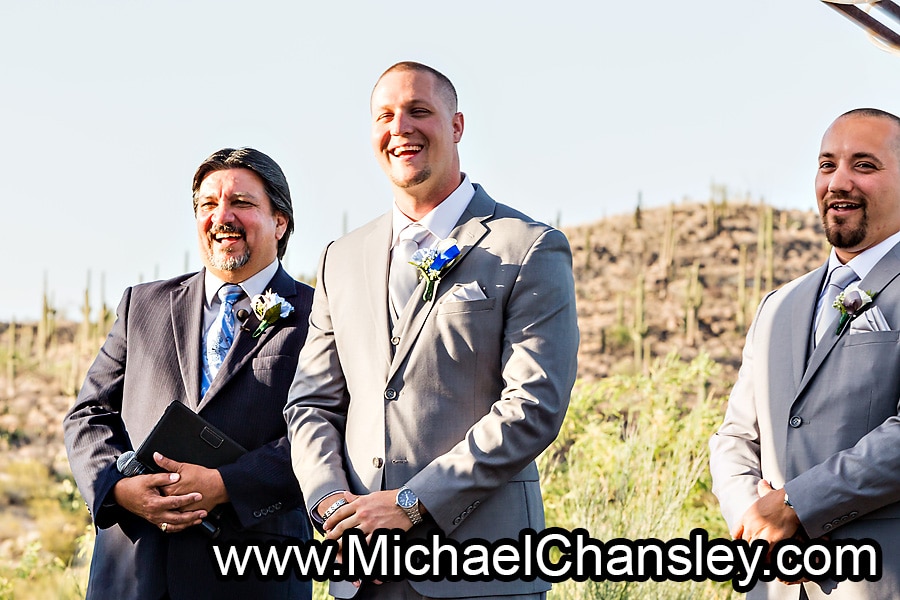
x,y
572,109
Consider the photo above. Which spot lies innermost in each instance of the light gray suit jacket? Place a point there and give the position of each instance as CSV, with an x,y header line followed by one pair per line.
x,y
460,398
828,431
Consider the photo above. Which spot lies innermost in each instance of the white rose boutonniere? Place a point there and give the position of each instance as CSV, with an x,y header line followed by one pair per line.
x,y
851,302
269,307
432,263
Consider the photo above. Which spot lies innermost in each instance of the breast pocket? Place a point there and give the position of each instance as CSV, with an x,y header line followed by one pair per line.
x,y
466,306
275,372
872,337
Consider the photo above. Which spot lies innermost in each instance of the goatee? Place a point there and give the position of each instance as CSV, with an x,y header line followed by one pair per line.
x,y
841,235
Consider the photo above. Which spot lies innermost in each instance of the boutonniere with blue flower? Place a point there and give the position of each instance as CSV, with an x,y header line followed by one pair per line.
x,y
269,307
432,263
852,302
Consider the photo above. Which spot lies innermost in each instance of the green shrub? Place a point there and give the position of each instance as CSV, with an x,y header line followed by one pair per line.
x,y
631,462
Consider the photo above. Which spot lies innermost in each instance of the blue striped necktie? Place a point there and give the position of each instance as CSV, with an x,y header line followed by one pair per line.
x,y
220,335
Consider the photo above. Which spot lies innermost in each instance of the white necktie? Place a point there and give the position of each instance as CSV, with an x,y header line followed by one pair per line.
x,y
403,277
839,279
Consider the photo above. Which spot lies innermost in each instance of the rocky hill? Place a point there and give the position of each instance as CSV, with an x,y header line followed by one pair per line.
x,y
685,278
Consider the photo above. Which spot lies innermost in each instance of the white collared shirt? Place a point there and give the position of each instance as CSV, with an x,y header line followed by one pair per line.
x,y
253,285
441,219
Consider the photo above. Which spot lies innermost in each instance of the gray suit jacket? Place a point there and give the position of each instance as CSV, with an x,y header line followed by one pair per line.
x,y
828,431
460,398
151,358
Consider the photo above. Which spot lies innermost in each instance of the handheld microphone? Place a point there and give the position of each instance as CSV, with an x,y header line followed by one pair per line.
x,y
129,466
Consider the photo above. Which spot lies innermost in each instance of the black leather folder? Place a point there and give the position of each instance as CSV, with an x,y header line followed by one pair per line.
x,y
183,435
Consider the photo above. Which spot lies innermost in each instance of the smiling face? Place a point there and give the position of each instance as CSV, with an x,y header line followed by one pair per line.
x,y
858,183
414,135
237,227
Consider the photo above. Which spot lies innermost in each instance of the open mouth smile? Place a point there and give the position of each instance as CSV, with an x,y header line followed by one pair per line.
x,y
406,150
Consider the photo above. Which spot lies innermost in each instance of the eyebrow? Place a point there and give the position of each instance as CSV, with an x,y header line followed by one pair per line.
x,y
238,195
855,156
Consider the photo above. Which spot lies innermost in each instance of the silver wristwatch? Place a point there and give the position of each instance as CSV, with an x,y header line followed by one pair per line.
x,y
409,502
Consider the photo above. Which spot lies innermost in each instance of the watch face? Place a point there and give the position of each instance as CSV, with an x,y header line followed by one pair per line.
x,y
406,498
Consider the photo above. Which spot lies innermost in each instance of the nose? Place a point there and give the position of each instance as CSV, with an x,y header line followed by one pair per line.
x,y
841,180
222,213
401,124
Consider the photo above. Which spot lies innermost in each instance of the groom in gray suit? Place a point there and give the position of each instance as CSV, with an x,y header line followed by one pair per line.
x,y
423,409
810,445
148,545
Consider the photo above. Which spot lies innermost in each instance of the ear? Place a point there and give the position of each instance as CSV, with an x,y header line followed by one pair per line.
x,y
281,223
458,123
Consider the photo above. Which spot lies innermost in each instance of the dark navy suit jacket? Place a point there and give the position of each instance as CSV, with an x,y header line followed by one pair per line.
x,y
152,357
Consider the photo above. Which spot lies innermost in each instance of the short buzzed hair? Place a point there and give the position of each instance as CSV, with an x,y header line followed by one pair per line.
x,y
445,86
878,114
273,179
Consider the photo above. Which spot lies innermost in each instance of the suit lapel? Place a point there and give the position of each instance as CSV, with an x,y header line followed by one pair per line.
x,y
186,304
375,261
468,232
245,346
882,274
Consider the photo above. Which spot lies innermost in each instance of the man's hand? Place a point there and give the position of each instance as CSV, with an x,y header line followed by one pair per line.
x,y
141,495
193,478
367,513
769,518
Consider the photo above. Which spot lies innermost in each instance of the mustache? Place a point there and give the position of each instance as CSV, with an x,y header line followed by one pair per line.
x,y
843,197
224,228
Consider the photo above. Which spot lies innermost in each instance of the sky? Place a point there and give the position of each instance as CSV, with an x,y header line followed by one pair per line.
x,y
573,111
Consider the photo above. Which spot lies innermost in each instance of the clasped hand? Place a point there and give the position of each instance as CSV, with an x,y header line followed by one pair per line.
x,y
181,497
768,519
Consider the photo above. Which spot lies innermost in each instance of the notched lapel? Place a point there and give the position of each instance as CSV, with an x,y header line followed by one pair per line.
x,y
469,230
245,346
881,275
186,304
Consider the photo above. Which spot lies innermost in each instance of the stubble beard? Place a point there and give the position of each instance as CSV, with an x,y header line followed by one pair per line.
x,y
420,177
841,235
229,262
226,261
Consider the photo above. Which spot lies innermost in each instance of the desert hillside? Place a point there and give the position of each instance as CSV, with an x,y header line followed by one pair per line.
x,y
682,279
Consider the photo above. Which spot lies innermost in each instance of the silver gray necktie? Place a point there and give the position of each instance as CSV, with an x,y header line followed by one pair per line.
x,y
403,276
839,279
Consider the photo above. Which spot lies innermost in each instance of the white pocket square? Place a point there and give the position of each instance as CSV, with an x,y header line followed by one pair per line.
x,y
871,320
466,292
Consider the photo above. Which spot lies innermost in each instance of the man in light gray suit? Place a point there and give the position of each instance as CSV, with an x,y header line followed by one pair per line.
x,y
431,411
810,444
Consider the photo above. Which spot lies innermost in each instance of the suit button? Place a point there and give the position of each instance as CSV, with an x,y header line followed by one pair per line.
x,y
395,340
795,422
827,527
377,462
853,514
257,514
390,394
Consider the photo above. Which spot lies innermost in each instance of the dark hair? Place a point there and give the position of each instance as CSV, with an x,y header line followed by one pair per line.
x,y
445,86
871,112
274,181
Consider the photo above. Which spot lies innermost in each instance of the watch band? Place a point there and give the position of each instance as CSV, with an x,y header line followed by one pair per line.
x,y
411,511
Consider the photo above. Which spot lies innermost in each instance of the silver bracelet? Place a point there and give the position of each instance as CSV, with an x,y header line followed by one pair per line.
x,y
333,508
